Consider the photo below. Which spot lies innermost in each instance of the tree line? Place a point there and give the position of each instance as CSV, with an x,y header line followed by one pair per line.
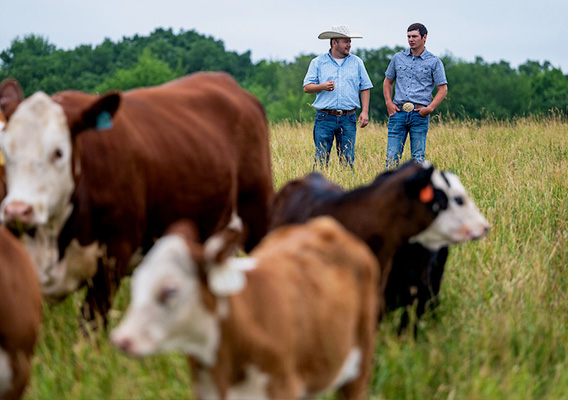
x,y
477,89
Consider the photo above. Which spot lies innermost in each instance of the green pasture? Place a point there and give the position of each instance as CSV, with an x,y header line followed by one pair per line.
x,y
501,331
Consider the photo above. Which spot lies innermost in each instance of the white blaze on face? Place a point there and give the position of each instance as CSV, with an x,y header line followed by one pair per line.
x,y
460,222
5,372
166,312
37,150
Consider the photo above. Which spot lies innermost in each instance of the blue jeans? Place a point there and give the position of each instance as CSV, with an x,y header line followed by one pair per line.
x,y
400,125
343,129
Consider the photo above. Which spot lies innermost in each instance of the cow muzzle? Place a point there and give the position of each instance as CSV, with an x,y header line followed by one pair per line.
x,y
18,216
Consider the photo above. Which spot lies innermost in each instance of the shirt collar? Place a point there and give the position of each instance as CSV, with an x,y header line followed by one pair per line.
x,y
424,54
332,59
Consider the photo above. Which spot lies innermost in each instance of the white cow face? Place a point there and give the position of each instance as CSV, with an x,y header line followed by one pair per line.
x,y
166,311
460,222
37,150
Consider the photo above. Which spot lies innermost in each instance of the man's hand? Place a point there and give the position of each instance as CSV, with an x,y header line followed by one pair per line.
x,y
363,119
424,111
392,108
329,86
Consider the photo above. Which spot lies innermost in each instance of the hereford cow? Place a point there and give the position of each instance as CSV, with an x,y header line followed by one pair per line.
x,y
392,211
94,179
20,315
294,319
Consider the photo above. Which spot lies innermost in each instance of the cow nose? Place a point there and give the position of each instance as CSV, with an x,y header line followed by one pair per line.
x,y
18,211
124,344
466,232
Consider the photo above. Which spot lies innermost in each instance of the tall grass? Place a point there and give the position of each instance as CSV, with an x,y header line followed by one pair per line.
x,y
501,331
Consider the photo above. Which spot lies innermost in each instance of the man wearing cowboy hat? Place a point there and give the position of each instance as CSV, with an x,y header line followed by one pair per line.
x,y
337,78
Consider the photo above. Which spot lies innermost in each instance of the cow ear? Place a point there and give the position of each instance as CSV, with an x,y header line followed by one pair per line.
x,y
11,95
99,114
187,230
418,185
225,276
224,243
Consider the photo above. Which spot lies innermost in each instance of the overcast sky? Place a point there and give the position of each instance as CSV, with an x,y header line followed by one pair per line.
x,y
513,31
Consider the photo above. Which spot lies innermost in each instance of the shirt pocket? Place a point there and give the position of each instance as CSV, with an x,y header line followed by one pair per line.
x,y
402,71
424,73
352,78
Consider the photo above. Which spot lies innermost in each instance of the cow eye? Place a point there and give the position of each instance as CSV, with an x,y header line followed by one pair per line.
x,y
57,154
166,295
459,200
440,201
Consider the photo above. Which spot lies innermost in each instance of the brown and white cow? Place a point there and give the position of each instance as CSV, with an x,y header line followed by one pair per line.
x,y
94,179
415,204
294,319
20,315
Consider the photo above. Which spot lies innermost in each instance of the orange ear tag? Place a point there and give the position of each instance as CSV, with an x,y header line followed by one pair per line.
x,y
426,194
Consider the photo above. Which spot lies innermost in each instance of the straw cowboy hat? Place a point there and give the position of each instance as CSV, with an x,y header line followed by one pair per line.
x,y
339,31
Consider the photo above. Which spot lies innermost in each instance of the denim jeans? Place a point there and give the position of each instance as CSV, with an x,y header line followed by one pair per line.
x,y
343,129
400,125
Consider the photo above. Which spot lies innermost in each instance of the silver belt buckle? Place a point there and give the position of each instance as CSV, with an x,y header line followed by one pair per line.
x,y
408,106
340,112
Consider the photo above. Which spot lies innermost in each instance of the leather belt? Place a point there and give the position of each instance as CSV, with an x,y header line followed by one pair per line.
x,y
338,113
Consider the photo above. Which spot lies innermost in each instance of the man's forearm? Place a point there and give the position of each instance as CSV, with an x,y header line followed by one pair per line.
x,y
313,88
365,99
439,97
387,90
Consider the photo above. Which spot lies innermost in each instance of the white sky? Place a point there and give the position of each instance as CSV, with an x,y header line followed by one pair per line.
x,y
513,31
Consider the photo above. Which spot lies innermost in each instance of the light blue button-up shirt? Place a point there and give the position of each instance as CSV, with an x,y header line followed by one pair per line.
x,y
415,76
350,78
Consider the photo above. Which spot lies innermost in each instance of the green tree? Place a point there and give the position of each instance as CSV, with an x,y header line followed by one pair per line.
x,y
263,82
376,63
28,61
480,90
548,85
148,71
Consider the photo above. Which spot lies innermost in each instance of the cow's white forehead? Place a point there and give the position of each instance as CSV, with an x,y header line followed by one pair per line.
x,y
447,181
37,110
36,122
459,222
168,259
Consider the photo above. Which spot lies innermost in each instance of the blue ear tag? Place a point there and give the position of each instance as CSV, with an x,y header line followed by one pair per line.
x,y
104,121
